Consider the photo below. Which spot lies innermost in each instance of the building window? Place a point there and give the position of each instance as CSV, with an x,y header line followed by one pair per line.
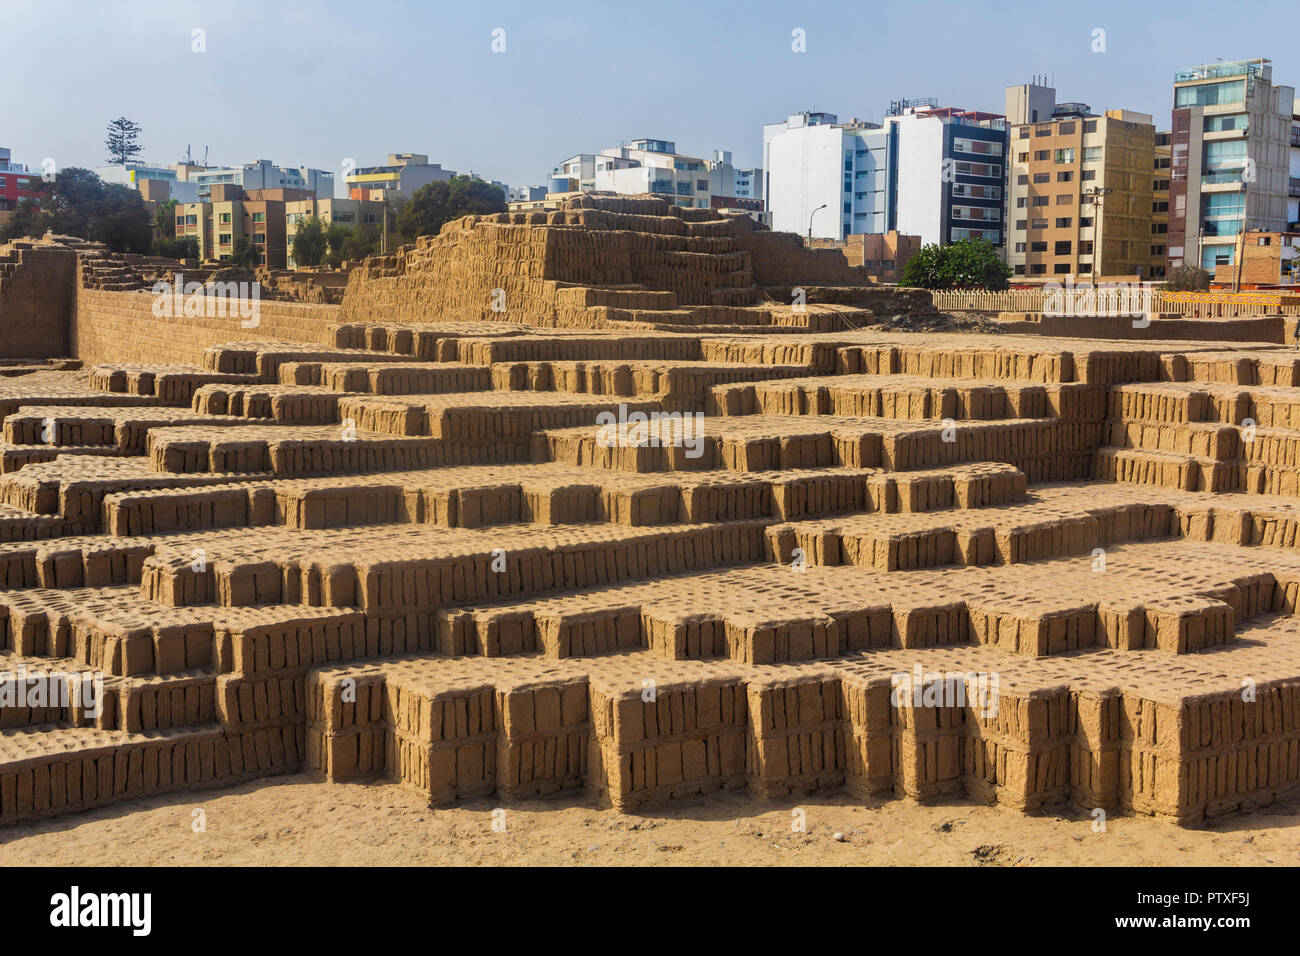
x,y
224,239
701,184
1020,247
1085,222
1065,177
1042,155
1038,247
1040,131
1037,269
1020,270
1089,175
1022,224
1023,133
1061,268
259,238
1063,247
1038,224
1091,154
1090,126
1020,202
1064,199
1040,200
1022,157
1064,156
1065,129
1210,94
224,219
259,217
1022,180
1064,222
1042,177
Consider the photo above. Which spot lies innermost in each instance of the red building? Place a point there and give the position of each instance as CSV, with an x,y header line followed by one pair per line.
x,y
16,183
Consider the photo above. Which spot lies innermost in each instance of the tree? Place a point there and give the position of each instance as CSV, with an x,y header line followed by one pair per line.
x,y
164,220
964,264
78,203
437,204
309,242
187,247
245,254
1187,279
123,143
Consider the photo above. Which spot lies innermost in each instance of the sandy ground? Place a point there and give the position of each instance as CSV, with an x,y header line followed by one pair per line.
x,y
294,820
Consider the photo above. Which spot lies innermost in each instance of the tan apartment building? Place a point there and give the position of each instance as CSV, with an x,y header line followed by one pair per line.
x,y
1080,194
1160,207
352,213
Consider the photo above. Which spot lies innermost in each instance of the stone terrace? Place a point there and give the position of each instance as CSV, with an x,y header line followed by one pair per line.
x,y
1036,571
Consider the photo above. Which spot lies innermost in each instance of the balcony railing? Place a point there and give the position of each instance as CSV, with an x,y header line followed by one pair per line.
x,y
1294,188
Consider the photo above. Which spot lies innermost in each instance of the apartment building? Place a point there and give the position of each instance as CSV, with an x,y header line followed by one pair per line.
x,y
654,166
350,213
1160,207
936,172
399,178
147,179
16,184
231,213
1231,160
262,174
1293,181
1080,192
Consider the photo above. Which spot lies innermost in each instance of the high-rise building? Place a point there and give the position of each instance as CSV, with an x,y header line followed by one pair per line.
x,y
1230,168
1160,208
929,171
1080,192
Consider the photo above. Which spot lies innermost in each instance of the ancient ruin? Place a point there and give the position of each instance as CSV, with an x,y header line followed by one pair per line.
x,y
645,501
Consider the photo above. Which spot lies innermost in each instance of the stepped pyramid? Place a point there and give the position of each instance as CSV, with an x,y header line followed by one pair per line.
x,y
408,544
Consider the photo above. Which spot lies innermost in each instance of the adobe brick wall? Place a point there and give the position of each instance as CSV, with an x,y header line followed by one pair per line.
x,y
120,327
36,299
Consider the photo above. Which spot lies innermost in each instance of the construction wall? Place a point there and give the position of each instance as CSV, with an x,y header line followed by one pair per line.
x,y
121,327
36,298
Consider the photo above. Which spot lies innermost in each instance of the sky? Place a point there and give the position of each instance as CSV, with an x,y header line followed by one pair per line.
x,y
326,83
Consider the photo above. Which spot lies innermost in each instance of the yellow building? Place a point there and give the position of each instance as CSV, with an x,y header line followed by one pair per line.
x,y
352,213
1080,194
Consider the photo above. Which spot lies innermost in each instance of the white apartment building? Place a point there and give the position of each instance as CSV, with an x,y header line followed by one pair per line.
x,y
927,171
651,166
263,174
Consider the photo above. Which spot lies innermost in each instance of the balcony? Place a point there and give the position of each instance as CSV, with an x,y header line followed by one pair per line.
x,y
1295,135
1221,227
1220,177
1294,188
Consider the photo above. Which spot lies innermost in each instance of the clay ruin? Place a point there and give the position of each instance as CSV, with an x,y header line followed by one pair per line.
x,y
397,537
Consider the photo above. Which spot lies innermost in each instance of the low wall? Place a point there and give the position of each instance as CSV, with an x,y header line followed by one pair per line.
x,y
1273,328
120,327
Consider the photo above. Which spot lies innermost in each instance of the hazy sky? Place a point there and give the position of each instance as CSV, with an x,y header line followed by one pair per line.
x,y
319,83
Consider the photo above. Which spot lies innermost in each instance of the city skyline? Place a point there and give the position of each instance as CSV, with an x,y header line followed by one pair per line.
x,y
442,91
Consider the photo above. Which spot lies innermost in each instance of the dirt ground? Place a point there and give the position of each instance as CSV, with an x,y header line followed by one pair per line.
x,y
294,820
